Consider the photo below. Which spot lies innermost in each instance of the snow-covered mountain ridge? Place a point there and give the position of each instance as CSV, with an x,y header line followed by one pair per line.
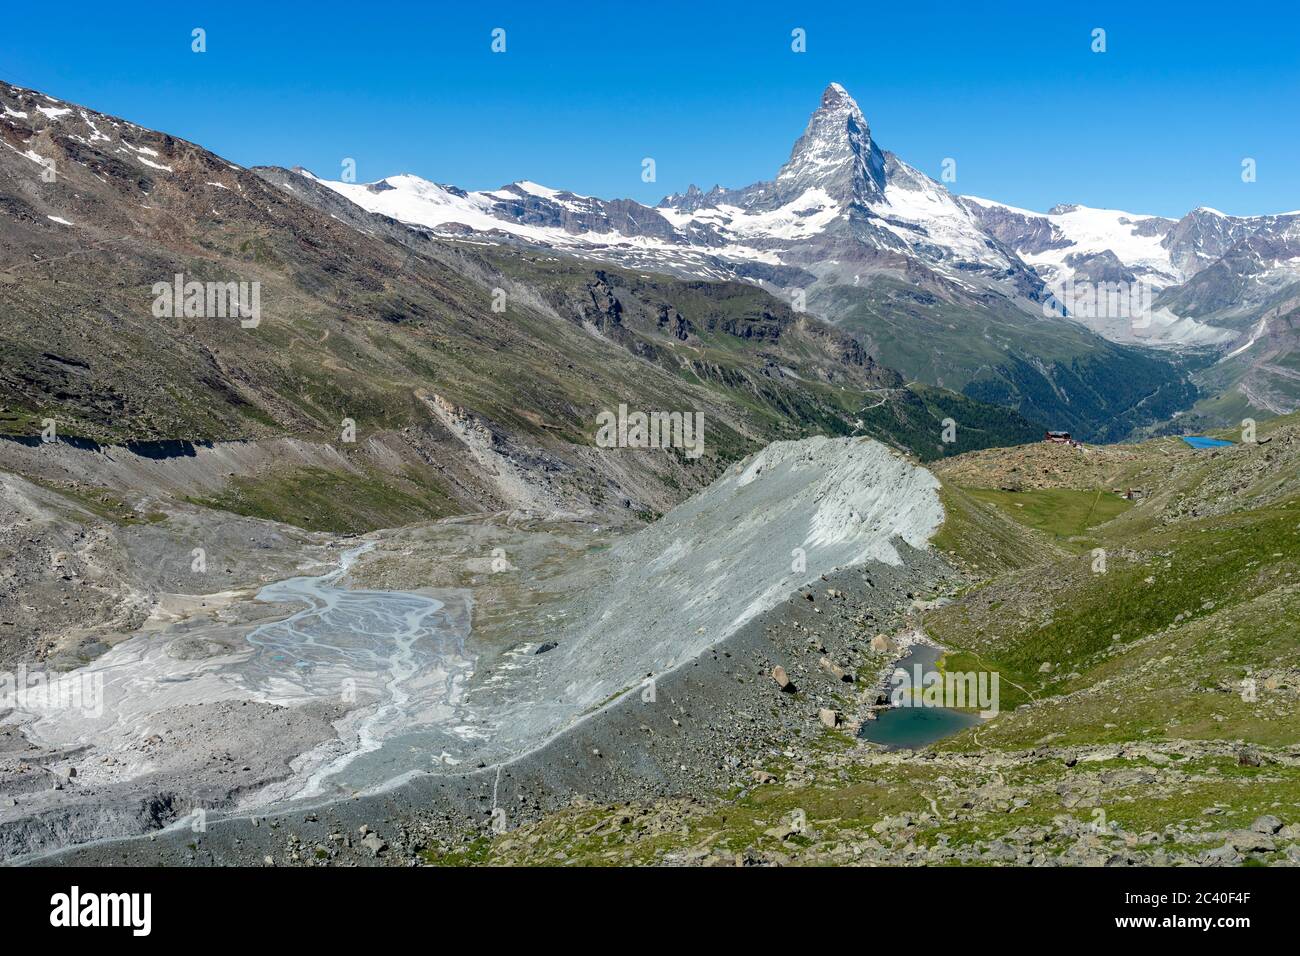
x,y
842,210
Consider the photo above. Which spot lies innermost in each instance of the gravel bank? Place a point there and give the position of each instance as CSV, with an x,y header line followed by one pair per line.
x,y
709,721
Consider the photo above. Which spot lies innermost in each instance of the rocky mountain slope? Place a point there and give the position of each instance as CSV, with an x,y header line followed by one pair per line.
x,y
874,245
419,377
1149,708
1148,704
1147,713
839,503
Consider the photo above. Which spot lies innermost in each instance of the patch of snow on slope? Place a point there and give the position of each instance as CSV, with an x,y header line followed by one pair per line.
x,y
418,202
546,192
1087,231
95,135
1259,330
810,213
34,156
938,218
994,204
1096,230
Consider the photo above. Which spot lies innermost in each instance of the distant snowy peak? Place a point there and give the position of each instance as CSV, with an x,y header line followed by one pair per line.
x,y
844,211
1205,235
694,198
526,210
1193,266
839,198
835,154
1068,238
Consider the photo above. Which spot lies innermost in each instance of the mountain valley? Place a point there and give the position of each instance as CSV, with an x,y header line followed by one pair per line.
x,y
352,572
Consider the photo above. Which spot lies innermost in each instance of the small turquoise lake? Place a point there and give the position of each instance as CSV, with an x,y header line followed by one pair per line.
x,y
914,727
1201,441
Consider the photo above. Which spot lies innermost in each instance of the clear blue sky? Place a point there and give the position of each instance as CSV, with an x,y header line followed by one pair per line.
x,y
1159,123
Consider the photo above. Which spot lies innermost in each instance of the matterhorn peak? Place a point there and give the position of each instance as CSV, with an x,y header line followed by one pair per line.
x,y
835,93
835,153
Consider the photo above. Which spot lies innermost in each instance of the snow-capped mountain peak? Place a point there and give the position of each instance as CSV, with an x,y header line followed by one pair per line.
x,y
835,153
843,211
839,209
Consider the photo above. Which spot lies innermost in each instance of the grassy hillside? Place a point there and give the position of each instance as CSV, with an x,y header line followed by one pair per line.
x,y
1196,593
1049,370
